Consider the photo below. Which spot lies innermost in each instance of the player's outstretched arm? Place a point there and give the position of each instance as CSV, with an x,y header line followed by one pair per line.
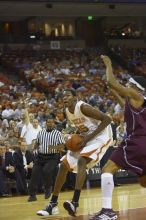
x,y
111,79
119,99
113,82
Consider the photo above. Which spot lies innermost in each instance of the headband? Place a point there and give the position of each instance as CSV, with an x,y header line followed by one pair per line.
x,y
131,80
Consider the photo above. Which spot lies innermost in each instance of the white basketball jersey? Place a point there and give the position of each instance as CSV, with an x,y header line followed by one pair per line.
x,y
83,123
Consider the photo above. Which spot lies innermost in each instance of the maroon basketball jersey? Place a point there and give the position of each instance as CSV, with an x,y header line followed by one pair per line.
x,y
131,153
135,120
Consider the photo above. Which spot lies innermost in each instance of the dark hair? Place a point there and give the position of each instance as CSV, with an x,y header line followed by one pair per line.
x,y
72,91
141,80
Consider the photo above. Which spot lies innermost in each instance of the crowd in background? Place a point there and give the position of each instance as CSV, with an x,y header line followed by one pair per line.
x,y
132,58
31,87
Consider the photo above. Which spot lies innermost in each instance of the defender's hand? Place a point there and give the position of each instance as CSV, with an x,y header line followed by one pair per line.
x,y
106,60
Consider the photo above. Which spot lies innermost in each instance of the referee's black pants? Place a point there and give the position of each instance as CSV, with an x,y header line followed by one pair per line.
x,y
44,166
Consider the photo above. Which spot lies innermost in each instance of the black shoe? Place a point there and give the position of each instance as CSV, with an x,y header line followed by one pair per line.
x,y
48,193
32,199
108,214
70,207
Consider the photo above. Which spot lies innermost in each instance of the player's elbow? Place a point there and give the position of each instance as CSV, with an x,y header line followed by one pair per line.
x,y
110,83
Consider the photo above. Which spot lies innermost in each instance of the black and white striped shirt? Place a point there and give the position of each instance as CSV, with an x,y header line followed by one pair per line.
x,y
46,139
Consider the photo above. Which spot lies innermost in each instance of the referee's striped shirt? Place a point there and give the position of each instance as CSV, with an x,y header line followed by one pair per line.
x,y
46,139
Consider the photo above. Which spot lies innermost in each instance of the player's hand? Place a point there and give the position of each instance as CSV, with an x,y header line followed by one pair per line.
x,y
85,140
106,60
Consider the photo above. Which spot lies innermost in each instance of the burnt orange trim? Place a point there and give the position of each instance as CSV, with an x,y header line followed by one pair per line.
x,y
91,152
88,153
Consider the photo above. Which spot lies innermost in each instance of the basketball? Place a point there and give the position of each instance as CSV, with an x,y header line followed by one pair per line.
x,y
73,143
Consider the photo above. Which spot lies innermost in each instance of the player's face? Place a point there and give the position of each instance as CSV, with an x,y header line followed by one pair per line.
x,y
68,98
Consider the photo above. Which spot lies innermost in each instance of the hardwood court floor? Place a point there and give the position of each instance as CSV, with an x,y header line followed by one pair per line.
x,y
129,199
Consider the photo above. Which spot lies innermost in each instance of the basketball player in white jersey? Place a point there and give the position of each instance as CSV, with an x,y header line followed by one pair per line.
x,y
94,126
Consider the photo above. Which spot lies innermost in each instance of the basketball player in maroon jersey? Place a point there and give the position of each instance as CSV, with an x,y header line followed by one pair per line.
x,y
131,153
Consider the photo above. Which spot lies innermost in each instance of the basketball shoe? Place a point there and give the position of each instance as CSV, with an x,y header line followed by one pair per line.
x,y
70,207
105,214
51,209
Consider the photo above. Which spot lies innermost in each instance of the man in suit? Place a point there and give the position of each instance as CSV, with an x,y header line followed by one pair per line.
x,y
9,165
23,166
3,186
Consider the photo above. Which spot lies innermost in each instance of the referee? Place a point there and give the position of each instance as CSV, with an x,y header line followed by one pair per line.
x,y
49,143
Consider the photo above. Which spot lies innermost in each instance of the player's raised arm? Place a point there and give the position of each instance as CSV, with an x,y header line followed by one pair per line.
x,y
125,91
119,99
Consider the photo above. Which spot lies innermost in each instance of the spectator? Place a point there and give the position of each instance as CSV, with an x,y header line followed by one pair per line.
x,y
3,185
23,162
30,128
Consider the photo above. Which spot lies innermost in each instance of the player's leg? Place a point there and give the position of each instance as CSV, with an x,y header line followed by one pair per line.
x,y
71,206
107,186
81,172
88,154
51,208
60,179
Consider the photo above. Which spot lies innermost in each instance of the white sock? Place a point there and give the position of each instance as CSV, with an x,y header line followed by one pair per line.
x,y
107,186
